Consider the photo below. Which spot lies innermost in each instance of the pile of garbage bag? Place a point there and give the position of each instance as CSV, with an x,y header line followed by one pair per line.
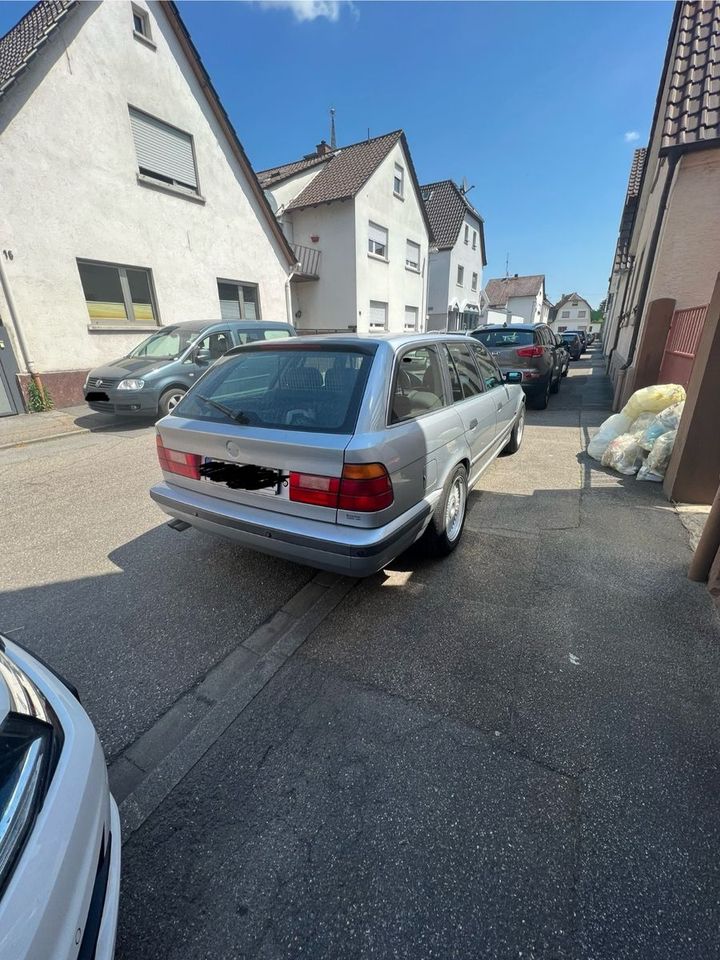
x,y
640,439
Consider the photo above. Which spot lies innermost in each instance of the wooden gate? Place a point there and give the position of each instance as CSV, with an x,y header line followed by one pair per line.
x,y
681,345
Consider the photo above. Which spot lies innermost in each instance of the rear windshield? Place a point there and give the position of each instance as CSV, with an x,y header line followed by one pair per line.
x,y
504,338
289,388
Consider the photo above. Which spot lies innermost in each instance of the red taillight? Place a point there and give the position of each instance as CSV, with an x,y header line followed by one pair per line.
x,y
175,461
363,487
308,488
530,352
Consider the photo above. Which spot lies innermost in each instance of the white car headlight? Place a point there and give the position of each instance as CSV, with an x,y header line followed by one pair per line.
x,y
131,385
30,741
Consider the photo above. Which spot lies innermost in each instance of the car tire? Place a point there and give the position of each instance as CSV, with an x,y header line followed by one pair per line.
x,y
446,527
555,385
541,401
566,369
170,399
513,444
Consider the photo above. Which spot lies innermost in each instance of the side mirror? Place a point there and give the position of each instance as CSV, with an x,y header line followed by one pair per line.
x,y
513,376
202,357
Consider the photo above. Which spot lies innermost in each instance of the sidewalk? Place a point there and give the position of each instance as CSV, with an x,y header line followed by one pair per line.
x,y
35,427
510,753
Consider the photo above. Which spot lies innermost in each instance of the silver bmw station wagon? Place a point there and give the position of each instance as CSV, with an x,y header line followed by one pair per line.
x,y
340,451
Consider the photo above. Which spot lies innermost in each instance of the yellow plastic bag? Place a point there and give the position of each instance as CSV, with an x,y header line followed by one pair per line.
x,y
653,399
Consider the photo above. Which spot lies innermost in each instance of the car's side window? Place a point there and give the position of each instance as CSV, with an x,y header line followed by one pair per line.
x,y
470,379
216,344
488,370
418,386
455,383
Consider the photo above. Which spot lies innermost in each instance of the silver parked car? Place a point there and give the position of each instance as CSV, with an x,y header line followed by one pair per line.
x,y
339,451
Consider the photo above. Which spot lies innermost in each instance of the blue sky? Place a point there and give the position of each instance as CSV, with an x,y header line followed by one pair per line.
x,y
539,105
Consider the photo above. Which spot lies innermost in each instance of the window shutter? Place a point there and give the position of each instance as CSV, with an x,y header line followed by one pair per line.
x,y
377,233
163,150
378,313
411,318
412,252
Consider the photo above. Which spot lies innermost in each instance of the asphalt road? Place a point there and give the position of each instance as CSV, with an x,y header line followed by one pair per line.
x,y
510,753
94,581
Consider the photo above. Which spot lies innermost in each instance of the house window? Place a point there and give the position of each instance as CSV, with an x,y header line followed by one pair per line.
x,y
474,245
164,153
565,314
117,294
574,303
377,240
141,22
582,313
474,281
467,233
238,301
412,256
460,276
562,329
399,181
378,315
411,319
427,195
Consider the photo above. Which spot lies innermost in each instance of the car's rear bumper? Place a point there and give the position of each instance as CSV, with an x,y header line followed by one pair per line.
x,y
354,551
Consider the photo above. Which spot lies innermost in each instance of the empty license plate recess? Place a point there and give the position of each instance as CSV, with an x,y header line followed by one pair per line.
x,y
245,476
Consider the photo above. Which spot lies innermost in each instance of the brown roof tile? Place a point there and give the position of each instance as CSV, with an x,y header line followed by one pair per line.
x,y
692,107
21,43
349,169
446,207
501,290
627,218
275,174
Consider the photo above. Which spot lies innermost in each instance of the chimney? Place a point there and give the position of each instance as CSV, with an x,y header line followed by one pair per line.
x,y
515,275
322,148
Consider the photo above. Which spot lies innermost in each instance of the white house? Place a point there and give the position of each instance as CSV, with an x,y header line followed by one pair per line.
x,y
360,233
520,299
457,258
127,198
571,312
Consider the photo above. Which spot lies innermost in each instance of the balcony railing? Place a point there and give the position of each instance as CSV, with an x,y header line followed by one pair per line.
x,y
309,260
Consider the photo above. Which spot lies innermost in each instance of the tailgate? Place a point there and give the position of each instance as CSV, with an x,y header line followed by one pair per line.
x,y
277,451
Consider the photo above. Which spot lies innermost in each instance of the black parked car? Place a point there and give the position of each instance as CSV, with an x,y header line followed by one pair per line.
x,y
564,355
573,343
532,350
582,336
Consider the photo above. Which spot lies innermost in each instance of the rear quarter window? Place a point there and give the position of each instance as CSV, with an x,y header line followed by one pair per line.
x,y
418,385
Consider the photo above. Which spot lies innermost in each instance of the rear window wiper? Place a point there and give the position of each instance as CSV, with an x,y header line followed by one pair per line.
x,y
237,415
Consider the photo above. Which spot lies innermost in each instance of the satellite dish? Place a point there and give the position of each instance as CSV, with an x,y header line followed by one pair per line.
x,y
272,201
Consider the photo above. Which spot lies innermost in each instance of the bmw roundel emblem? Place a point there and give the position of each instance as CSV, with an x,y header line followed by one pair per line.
x,y
232,448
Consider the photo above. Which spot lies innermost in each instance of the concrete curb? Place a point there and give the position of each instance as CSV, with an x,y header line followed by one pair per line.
x,y
150,768
53,436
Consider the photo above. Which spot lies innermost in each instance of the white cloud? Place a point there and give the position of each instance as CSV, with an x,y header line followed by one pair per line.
x,y
304,10
631,136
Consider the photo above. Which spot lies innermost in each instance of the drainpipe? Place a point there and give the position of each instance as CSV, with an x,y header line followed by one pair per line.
x,y
650,259
22,342
288,295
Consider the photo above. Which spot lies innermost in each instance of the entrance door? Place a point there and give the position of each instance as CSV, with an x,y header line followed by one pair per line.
x,y
10,401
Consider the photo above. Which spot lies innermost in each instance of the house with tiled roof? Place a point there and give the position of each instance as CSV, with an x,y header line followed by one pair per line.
x,y
663,314
356,221
572,312
516,299
457,257
127,199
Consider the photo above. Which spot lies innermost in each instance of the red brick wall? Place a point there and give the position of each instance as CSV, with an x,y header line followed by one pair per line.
x,y
65,387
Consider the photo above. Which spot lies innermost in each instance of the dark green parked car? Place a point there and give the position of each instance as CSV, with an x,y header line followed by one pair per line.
x,y
153,378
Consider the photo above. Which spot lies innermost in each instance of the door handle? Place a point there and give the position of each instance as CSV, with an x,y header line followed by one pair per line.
x,y
499,407
473,424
